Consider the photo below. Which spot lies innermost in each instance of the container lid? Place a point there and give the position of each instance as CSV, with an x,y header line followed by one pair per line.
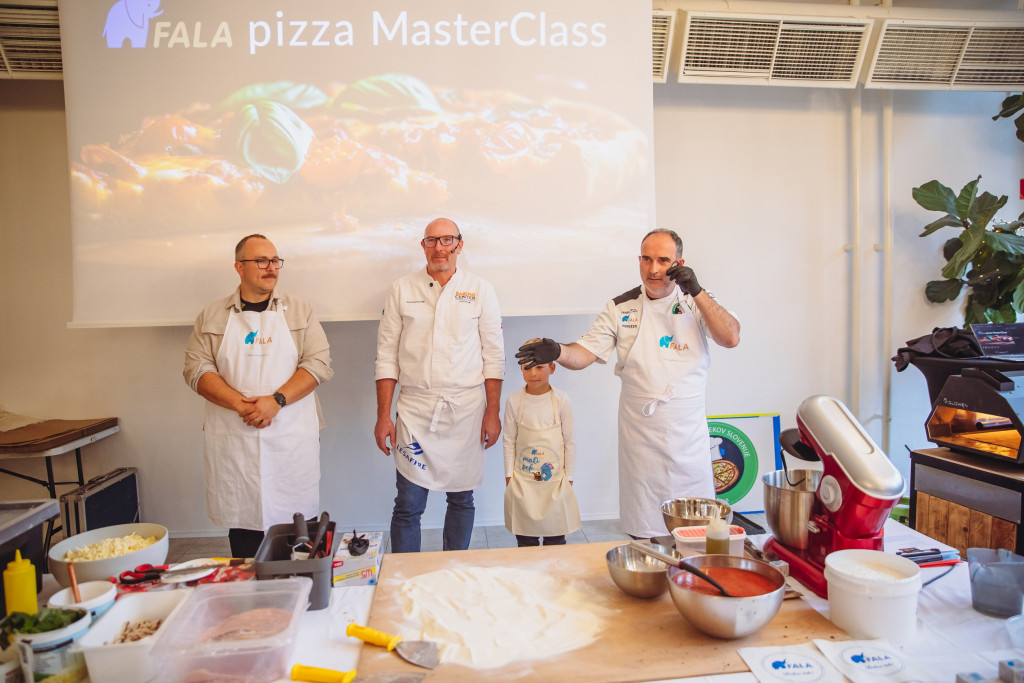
x,y
235,617
701,531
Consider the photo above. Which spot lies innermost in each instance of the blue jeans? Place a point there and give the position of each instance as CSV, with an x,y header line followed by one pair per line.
x,y
410,503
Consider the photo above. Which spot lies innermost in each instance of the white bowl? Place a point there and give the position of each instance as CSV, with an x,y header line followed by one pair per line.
x,y
97,597
108,661
100,570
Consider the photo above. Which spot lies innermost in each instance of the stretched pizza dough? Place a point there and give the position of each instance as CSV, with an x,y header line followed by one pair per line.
x,y
486,617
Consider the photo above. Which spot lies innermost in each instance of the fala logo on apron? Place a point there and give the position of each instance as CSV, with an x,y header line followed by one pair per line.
x,y
409,451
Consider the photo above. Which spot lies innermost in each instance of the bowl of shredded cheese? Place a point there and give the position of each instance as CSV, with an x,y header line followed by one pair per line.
x,y
101,553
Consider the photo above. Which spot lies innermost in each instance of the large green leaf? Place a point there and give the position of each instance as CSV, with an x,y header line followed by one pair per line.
x,y
944,222
973,241
394,95
965,200
935,196
974,313
1018,297
1002,241
985,207
1004,314
1010,106
1019,122
940,291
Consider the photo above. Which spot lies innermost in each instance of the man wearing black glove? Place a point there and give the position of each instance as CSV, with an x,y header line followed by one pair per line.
x,y
659,332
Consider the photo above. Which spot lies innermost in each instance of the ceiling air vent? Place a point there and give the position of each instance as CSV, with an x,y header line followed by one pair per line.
x,y
773,50
29,40
662,27
948,56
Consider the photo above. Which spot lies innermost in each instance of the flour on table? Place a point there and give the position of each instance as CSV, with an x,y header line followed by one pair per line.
x,y
486,617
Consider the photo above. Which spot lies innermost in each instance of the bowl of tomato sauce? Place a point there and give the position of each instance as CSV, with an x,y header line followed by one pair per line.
x,y
757,589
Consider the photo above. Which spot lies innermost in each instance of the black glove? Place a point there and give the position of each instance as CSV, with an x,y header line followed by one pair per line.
x,y
538,353
685,278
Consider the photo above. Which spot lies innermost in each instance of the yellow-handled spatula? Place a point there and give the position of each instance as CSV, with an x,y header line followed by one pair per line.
x,y
315,674
419,652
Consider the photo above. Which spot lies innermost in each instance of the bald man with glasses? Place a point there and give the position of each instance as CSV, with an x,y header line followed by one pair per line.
x,y
256,357
440,339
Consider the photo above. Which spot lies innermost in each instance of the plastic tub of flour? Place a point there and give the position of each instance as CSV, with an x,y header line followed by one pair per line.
x,y
872,594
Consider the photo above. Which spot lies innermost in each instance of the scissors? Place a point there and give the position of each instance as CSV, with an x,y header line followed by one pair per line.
x,y
144,572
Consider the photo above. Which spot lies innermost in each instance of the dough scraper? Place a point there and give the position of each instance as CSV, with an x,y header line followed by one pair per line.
x,y
419,652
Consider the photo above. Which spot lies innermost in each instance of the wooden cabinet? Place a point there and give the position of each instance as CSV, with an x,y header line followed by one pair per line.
x,y
966,501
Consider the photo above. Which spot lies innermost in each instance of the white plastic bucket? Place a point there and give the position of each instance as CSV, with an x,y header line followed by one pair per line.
x,y
43,655
872,594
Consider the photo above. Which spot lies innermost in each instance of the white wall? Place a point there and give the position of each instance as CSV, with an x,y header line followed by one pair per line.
x,y
757,181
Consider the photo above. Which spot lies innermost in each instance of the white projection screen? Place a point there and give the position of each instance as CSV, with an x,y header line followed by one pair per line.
x,y
339,128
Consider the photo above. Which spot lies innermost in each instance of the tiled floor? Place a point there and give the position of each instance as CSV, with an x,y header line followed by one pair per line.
x,y
595,531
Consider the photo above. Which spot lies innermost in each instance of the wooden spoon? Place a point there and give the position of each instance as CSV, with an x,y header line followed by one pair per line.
x,y
74,582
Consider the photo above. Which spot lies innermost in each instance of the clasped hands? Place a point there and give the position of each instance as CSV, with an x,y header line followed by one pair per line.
x,y
258,411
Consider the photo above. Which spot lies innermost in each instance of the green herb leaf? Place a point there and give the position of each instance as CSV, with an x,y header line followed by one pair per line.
x,y
43,621
272,139
935,196
294,95
388,95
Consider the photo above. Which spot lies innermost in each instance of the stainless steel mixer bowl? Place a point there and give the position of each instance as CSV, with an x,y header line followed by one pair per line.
x,y
679,512
788,507
721,616
637,574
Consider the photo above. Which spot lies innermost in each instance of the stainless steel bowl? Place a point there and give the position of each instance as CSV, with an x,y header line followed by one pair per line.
x,y
637,574
787,507
692,512
722,617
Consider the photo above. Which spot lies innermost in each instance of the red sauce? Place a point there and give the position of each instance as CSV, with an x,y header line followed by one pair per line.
x,y
741,583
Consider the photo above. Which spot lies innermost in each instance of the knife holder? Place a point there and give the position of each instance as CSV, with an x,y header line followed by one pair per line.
x,y
273,561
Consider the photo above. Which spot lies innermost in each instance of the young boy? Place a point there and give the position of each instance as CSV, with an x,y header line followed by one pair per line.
x,y
540,457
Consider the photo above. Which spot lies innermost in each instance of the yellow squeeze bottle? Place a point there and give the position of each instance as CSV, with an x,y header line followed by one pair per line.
x,y
717,538
20,585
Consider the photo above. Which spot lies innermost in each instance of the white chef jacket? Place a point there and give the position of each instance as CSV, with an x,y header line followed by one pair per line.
x,y
617,325
458,351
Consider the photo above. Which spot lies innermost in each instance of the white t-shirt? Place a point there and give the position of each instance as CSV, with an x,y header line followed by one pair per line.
x,y
537,414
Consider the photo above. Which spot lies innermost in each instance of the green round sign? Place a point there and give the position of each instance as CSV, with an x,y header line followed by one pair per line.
x,y
735,469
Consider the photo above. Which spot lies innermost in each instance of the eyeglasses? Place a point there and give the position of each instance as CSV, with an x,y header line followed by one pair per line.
x,y
445,240
262,263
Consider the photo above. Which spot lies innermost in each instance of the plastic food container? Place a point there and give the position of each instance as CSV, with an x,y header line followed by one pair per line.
x,y
244,629
690,540
97,597
109,661
52,655
872,594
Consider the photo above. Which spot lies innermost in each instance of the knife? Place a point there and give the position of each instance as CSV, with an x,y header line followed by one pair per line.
x,y
315,674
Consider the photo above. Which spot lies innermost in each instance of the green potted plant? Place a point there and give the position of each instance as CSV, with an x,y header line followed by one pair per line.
x,y
987,255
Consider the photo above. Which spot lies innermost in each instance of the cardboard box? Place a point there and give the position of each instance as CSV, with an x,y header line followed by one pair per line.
x,y
361,570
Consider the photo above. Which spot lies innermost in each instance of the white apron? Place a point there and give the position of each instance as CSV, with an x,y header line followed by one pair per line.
x,y
438,438
259,477
539,501
663,429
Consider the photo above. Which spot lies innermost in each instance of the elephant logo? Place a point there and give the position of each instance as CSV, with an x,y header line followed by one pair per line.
x,y
129,20
251,337
665,341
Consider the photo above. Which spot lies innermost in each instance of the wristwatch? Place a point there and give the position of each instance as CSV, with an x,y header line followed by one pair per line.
x,y
281,400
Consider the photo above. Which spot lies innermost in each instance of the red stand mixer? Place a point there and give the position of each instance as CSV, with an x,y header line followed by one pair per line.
x,y
815,512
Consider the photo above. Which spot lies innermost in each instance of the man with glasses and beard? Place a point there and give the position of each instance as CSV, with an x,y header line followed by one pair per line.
x,y
440,338
256,357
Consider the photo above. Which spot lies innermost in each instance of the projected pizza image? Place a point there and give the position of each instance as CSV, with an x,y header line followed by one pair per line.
x,y
344,156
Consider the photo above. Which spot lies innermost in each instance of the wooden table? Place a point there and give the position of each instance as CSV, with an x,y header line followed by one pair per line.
x,y
644,640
